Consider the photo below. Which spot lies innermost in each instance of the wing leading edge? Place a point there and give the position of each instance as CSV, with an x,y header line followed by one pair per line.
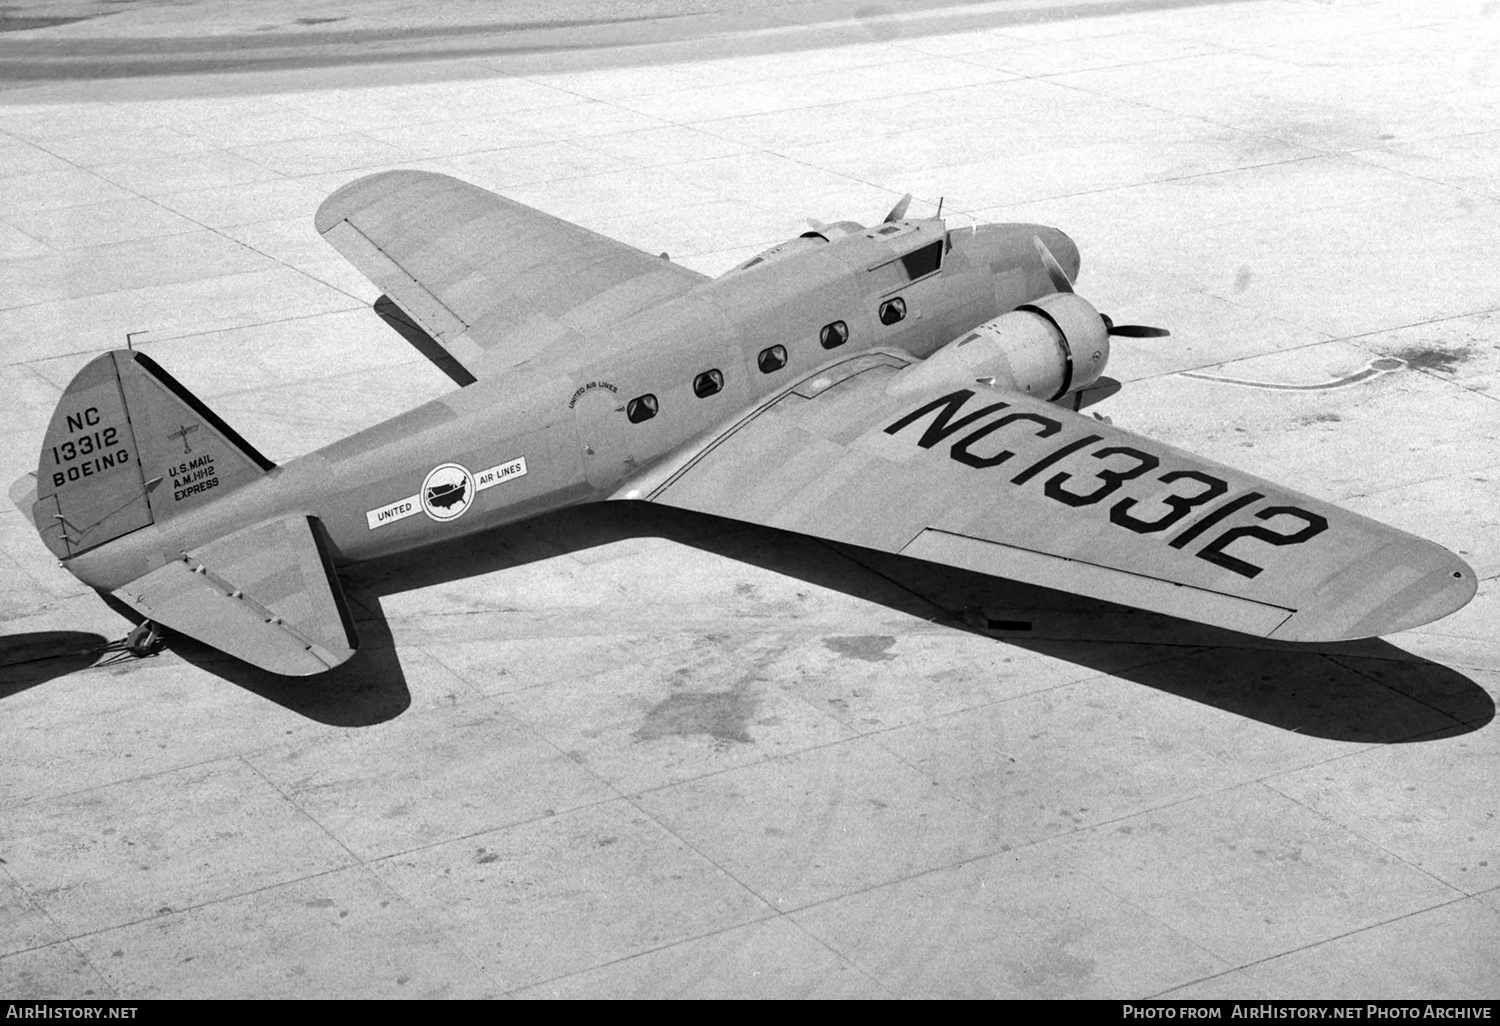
x,y
489,279
1007,485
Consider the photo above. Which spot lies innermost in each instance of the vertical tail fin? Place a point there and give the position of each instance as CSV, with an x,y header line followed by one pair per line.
x,y
128,446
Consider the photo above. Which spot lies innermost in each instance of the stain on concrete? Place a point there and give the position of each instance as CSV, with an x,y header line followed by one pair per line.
x,y
724,716
319,21
319,903
870,648
484,858
1054,967
1242,278
1444,361
1320,418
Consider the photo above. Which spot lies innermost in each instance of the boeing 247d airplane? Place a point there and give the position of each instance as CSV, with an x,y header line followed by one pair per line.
x,y
902,387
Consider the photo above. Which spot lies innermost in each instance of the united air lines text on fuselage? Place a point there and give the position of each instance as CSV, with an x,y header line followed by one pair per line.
x,y
1034,459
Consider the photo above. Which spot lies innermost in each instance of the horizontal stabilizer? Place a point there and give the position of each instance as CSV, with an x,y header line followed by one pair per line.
x,y
267,594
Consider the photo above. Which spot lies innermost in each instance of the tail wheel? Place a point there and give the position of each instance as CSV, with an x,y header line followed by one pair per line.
x,y
144,639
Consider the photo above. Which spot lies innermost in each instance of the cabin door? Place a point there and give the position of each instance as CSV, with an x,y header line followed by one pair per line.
x,y
603,435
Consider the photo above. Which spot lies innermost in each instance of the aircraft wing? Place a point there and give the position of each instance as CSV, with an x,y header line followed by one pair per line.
x,y
266,594
490,280
1007,485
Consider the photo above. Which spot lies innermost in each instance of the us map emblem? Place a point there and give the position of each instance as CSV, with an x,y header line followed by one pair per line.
x,y
447,492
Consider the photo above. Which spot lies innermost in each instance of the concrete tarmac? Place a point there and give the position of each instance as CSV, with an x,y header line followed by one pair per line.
x,y
626,751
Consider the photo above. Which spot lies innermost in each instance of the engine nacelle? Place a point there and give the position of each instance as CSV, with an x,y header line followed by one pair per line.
x,y
1047,348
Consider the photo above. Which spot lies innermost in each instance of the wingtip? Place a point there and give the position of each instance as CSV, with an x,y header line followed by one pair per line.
x,y
353,196
1441,584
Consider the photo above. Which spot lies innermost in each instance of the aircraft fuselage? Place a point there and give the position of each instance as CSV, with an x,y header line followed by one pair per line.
x,y
573,424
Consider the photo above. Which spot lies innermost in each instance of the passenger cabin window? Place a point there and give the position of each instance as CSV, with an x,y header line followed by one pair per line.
x,y
892,310
834,335
642,407
772,359
921,262
710,382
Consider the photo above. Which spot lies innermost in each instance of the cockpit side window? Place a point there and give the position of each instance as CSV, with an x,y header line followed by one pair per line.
x,y
921,262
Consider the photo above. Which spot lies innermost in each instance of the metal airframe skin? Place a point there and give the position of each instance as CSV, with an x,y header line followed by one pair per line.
x,y
579,449
901,387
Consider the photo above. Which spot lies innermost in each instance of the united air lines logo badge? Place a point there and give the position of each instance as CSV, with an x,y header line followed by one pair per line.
x,y
447,492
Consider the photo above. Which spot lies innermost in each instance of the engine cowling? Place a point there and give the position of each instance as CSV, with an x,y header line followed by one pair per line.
x,y
1047,348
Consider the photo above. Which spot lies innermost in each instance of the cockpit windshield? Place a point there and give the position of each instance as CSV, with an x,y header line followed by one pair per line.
x,y
921,262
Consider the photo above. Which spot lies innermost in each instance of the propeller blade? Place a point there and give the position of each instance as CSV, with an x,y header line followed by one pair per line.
x,y
1059,277
1138,331
899,210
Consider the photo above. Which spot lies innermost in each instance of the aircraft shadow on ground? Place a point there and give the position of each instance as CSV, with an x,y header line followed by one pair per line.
x,y
1363,691
370,688
27,660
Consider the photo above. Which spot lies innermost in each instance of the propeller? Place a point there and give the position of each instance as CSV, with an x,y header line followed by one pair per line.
x,y
1061,283
1055,270
899,210
1132,330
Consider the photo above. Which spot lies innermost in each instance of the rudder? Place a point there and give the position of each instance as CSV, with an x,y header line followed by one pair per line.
x,y
129,446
